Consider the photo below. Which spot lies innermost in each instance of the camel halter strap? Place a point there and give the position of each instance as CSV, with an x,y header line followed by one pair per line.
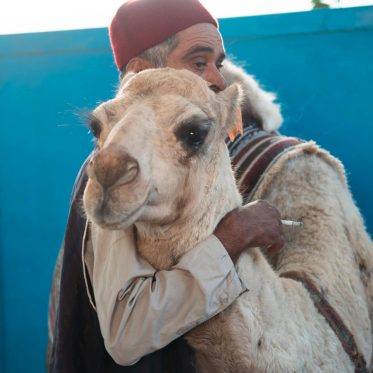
x,y
334,320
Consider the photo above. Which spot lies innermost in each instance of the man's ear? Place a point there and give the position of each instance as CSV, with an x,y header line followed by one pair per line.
x,y
230,110
138,64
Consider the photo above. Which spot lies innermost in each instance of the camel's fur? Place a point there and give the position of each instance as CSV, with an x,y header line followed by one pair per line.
x,y
174,189
179,199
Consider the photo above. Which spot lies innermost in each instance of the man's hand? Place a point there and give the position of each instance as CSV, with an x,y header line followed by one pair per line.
x,y
257,224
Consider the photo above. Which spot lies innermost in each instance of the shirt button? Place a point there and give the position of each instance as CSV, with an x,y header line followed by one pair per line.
x,y
121,294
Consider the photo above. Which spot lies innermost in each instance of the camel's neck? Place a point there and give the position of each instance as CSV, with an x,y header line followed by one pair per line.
x,y
163,245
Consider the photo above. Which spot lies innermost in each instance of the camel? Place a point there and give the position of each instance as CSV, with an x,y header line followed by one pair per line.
x,y
168,172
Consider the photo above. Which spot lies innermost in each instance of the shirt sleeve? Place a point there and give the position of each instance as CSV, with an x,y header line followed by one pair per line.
x,y
140,309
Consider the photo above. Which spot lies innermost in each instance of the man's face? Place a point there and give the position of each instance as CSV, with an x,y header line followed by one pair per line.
x,y
200,50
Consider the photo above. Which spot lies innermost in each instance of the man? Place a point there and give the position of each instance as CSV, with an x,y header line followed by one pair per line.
x,y
192,42
145,34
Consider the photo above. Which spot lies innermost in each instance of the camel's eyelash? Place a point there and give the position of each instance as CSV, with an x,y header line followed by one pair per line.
x,y
95,126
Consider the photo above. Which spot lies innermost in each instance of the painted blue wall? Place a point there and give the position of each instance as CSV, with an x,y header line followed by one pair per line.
x,y
319,63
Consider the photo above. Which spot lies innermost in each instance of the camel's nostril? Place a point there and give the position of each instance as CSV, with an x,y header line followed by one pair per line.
x,y
130,173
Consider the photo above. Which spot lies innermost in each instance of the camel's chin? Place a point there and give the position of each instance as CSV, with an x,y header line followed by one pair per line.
x,y
118,221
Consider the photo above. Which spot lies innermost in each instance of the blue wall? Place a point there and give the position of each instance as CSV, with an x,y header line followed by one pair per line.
x,y
319,63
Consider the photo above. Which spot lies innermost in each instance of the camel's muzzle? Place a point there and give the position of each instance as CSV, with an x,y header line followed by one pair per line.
x,y
113,166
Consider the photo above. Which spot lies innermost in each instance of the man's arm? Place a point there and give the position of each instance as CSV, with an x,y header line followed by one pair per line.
x,y
141,310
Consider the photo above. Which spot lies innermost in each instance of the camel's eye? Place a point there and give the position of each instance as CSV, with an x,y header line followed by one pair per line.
x,y
194,137
95,127
193,134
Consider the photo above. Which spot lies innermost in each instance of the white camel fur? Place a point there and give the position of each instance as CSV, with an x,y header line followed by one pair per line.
x,y
163,165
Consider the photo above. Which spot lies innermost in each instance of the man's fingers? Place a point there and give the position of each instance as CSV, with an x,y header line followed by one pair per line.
x,y
276,247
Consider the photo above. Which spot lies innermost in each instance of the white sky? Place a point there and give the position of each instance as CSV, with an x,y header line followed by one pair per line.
x,y
20,16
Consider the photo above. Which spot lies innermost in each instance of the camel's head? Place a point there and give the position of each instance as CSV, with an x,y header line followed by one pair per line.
x,y
161,154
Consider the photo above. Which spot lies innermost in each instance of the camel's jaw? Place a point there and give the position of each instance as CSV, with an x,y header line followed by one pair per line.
x,y
109,210
122,222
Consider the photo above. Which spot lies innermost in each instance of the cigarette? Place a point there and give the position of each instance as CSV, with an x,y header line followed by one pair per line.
x,y
292,223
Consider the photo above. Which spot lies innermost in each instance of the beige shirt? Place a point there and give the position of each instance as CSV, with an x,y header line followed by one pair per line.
x,y
140,309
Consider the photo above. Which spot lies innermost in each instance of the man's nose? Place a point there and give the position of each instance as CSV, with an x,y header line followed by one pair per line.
x,y
215,78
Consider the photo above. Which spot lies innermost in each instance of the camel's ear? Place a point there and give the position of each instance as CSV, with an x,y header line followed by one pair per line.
x,y
230,110
123,83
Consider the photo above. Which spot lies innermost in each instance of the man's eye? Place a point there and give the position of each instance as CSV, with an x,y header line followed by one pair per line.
x,y
200,65
219,65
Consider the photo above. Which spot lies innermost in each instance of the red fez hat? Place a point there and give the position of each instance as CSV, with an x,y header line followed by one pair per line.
x,y
141,24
